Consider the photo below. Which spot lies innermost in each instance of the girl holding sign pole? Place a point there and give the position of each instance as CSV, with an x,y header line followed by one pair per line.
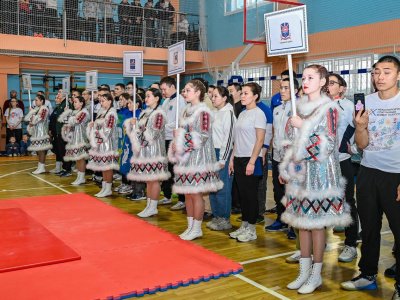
x,y
149,161
103,138
192,151
38,129
314,193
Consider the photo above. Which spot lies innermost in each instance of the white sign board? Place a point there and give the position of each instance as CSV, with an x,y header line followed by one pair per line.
x,y
286,31
26,82
133,63
91,80
66,85
176,58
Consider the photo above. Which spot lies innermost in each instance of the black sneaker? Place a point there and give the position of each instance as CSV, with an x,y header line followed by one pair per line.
x,y
390,272
291,235
65,174
271,211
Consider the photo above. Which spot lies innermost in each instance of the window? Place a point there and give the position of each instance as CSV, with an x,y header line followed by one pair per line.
x,y
356,82
235,6
255,73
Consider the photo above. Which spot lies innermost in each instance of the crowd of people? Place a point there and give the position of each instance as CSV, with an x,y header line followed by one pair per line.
x,y
210,144
128,23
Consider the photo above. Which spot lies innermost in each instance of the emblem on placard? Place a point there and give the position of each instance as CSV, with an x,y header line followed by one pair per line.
x,y
285,31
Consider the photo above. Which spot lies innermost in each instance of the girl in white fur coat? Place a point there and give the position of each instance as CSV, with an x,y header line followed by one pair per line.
x,y
149,162
102,134
74,133
314,197
192,149
38,129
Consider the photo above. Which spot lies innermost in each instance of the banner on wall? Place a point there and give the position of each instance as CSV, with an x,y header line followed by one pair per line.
x,y
66,85
91,80
26,82
286,31
133,64
176,58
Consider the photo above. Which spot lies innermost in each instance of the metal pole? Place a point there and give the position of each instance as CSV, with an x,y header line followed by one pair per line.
x,y
105,24
178,93
92,106
134,97
29,97
18,21
291,81
65,24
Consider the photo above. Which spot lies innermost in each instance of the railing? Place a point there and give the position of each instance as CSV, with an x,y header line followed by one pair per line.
x,y
100,22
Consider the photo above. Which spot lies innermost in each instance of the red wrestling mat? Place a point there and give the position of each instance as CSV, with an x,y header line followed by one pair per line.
x,y
25,243
122,256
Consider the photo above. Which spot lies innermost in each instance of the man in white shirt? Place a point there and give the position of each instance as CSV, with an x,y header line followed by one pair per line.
x,y
169,93
378,181
345,133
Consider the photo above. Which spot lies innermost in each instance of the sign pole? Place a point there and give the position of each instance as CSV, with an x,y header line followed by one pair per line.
x,y
134,97
291,81
29,97
178,93
92,106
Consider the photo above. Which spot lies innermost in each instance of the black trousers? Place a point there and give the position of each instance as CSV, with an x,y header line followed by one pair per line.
x,y
351,232
59,151
279,189
376,194
262,188
247,189
166,185
17,133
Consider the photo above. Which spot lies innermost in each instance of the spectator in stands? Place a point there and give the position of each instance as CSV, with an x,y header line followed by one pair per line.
x,y
182,28
51,19
107,16
71,10
24,16
149,21
90,13
12,148
125,21
13,95
38,14
137,22
14,116
165,14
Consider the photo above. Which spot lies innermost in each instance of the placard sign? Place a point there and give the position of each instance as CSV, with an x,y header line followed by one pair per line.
x,y
66,83
176,58
91,80
26,82
286,31
133,64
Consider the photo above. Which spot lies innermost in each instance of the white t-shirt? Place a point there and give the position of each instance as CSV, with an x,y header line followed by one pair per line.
x,y
282,113
383,150
245,131
169,107
346,110
14,116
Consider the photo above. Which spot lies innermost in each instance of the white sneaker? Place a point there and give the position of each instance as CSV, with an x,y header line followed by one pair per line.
x,y
178,206
213,222
247,235
125,189
348,254
40,169
116,189
294,258
117,176
150,210
221,224
164,201
236,233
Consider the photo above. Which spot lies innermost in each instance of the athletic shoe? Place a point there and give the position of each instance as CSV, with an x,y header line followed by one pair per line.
x,y
247,235
396,294
125,189
348,254
116,189
360,283
294,258
276,226
117,177
164,201
219,224
236,233
291,235
391,272
65,174
136,197
271,210
178,206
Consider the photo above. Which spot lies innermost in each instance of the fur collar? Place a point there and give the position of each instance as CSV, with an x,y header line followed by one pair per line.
x,y
191,113
306,107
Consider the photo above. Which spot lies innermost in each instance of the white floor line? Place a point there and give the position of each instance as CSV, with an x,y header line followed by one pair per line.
x,y
52,184
261,287
330,246
29,189
19,171
19,163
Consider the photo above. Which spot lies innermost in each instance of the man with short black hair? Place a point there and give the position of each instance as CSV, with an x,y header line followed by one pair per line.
x,y
235,90
378,181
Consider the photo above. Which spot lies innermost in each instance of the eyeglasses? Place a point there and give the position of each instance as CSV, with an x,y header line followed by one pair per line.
x,y
331,82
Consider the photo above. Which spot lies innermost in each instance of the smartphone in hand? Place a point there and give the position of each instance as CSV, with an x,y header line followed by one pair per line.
x,y
359,102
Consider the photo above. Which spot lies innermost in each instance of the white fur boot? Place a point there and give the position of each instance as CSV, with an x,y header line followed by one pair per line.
x,y
190,224
80,179
304,273
150,210
103,186
195,232
107,191
314,281
58,167
40,169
